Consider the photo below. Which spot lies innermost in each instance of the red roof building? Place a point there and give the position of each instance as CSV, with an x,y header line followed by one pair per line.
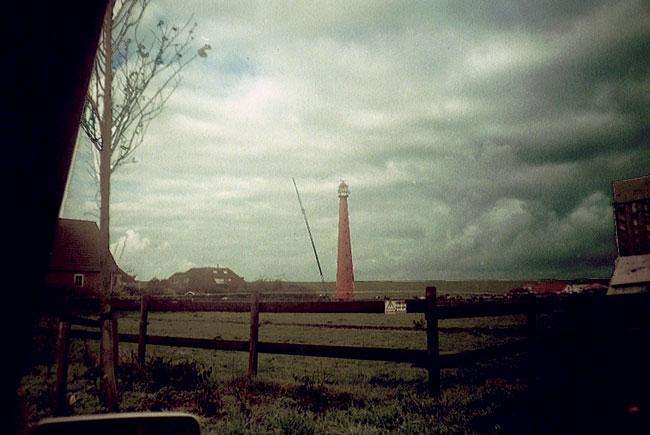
x,y
74,259
202,280
545,287
632,216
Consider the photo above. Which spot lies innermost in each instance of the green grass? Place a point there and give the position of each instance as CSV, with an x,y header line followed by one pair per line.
x,y
300,394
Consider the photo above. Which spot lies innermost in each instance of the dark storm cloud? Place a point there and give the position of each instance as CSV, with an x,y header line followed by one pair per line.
x,y
480,139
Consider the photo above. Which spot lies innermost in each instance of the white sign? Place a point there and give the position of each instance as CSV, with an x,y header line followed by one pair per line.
x,y
393,307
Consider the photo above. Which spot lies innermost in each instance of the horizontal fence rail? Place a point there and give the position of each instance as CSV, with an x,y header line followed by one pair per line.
x,y
444,311
447,308
72,311
315,350
417,357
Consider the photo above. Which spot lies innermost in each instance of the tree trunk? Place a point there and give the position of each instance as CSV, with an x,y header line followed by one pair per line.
x,y
107,376
108,381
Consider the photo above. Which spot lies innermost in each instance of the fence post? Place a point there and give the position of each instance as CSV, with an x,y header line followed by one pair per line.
x,y
62,350
531,332
252,343
433,350
116,339
108,379
142,337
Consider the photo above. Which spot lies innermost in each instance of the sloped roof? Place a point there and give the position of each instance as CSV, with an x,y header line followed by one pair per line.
x,y
205,271
632,269
76,247
634,189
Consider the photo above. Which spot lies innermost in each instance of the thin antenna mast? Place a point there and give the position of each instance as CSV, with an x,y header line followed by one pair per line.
x,y
304,214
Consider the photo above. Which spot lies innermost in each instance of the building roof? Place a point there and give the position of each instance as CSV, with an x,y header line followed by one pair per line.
x,y
630,270
206,271
634,189
76,247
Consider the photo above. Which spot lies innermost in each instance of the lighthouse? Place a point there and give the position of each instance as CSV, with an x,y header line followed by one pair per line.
x,y
344,270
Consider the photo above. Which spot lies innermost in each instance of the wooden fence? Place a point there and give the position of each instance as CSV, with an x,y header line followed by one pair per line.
x,y
431,358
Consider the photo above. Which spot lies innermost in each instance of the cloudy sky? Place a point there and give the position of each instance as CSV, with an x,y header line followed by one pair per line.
x,y
479,140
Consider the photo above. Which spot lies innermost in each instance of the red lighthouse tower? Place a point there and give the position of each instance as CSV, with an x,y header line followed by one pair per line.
x,y
344,270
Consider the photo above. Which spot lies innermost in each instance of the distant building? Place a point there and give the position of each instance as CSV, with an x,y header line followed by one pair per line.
x,y
631,275
632,220
344,268
554,286
632,216
545,287
587,285
206,280
74,259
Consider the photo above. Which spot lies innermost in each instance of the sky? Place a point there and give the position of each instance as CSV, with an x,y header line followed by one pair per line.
x,y
479,140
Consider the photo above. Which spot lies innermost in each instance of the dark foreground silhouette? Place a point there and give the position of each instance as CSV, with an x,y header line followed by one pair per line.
x,y
591,376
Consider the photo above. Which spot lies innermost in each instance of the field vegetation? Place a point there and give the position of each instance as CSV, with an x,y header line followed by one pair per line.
x,y
300,394
277,288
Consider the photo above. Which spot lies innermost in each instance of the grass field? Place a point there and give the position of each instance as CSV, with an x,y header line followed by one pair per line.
x,y
300,394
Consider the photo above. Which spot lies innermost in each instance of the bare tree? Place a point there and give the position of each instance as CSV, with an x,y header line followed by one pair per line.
x,y
136,70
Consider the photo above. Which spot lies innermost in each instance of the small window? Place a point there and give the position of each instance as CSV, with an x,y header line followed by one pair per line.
x,y
78,280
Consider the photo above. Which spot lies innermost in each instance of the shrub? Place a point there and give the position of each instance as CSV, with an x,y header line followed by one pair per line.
x,y
130,374
89,357
182,375
163,374
319,398
208,401
313,397
254,391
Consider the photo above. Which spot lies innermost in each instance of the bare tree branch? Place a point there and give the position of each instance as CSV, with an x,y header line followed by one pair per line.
x,y
145,70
